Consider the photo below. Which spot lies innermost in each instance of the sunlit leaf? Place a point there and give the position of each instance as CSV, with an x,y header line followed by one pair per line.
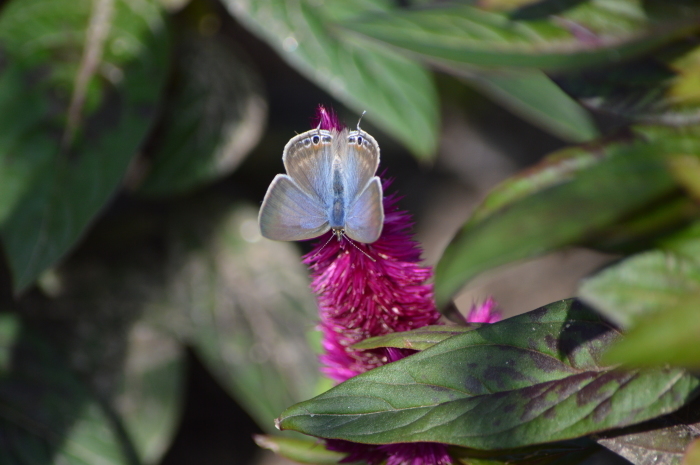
x,y
692,454
151,398
657,293
590,33
527,380
397,93
81,80
418,339
644,284
564,202
300,450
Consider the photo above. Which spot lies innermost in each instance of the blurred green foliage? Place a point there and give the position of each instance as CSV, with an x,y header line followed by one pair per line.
x,y
146,99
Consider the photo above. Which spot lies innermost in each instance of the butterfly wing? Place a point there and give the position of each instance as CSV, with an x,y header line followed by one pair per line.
x,y
360,162
289,213
308,160
365,218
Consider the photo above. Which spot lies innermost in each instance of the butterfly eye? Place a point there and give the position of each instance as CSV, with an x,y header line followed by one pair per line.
x,y
359,140
315,140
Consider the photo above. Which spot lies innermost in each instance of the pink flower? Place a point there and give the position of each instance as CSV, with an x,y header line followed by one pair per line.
x,y
368,290
484,313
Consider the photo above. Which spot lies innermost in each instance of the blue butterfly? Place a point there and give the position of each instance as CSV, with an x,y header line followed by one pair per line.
x,y
330,184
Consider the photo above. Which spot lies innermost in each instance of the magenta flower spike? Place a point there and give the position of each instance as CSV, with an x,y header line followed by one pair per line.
x,y
368,290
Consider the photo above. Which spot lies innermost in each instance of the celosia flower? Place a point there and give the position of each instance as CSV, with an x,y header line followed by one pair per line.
x,y
368,290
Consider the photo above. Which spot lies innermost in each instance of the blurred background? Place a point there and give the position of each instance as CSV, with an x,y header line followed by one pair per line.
x,y
144,319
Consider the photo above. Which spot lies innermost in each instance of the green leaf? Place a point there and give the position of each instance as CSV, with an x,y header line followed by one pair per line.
x,y
397,93
657,293
151,396
535,98
135,370
561,453
660,441
591,33
299,450
214,115
531,379
692,455
663,88
242,302
565,203
81,80
644,284
674,335
418,339
46,414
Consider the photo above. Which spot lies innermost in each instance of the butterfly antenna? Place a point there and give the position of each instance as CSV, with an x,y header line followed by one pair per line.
x,y
323,247
355,245
358,121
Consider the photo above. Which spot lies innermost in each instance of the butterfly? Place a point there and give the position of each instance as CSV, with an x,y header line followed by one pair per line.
x,y
330,185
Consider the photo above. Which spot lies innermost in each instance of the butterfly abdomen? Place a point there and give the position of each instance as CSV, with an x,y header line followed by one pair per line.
x,y
337,211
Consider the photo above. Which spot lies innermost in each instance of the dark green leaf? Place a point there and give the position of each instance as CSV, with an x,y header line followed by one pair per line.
x,y
300,450
246,308
591,33
418,339
81,80
568,203
214,115
397,93
662,88
535,98
46,414
561,453
530,379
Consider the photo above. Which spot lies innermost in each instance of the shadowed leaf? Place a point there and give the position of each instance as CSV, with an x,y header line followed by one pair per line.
x,y
96,70
537,99
214,115
663,88
242,302
46,414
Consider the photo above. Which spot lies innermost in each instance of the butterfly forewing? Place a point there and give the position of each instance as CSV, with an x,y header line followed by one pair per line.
x,y
290,214
308,159
361,163
366,215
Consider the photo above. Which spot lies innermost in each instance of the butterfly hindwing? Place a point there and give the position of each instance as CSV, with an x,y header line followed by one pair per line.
x,y
366,215
288,213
